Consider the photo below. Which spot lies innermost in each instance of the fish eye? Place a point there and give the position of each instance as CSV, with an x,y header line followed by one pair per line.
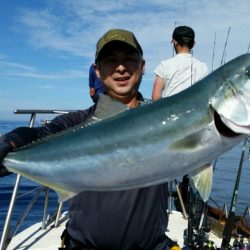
x,y
248,71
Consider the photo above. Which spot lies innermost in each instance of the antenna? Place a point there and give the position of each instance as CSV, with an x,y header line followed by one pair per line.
x,y
248,50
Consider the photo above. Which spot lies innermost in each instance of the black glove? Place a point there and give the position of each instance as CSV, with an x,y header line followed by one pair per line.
x,y
5,148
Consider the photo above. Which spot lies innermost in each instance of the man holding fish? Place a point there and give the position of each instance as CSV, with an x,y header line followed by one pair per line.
x,y
124,219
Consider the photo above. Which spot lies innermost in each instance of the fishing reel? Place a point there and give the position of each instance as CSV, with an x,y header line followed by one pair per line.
x,y
200,240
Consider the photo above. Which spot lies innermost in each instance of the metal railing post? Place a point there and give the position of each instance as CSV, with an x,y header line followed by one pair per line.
x,y
45,211
5,239
58,214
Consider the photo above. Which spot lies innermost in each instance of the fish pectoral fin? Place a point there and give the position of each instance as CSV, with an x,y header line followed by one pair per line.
x,y
202,182
189,142
107,107
64,195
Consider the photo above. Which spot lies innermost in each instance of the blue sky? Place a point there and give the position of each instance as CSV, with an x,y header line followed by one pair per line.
x,y
46,47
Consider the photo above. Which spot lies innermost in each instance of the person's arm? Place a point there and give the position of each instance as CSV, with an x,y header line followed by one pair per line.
x,y
5,148
91,77
157,88
14,139
92,83
24,135
92,92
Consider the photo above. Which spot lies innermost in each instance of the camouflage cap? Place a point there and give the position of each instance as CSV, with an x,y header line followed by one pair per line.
x,y
120,35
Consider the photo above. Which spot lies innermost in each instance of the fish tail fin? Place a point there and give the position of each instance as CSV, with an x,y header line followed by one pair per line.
x,y
203,181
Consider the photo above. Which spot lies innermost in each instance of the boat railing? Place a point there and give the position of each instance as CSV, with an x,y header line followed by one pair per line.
x,y
247,212
7,235
224,210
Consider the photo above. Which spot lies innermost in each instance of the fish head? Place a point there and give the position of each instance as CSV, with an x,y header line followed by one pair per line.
x,y
231,101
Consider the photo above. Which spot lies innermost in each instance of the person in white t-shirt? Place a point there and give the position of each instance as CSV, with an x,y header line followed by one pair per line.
x,y
181,71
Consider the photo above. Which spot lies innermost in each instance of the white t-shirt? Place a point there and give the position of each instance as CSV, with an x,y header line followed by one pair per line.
x,y
176,72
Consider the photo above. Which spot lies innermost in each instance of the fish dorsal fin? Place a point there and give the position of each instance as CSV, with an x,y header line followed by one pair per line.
x,y
106,108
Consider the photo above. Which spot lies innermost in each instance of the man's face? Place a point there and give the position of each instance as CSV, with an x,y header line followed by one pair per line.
x,y
120,68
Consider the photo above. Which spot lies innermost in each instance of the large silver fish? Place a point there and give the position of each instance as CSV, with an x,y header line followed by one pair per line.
x,y
148,145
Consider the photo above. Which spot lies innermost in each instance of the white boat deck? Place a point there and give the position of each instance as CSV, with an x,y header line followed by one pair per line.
x,y
36,238
176,226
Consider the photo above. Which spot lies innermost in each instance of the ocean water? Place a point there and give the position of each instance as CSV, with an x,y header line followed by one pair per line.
x,y
224,180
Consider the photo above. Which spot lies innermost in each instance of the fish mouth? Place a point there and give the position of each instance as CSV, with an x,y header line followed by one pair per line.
x,y
223,126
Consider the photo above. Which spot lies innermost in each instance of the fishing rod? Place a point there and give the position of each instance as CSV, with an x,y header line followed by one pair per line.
x,y
230,220
192,56
173,52
224,50
213,51
216,204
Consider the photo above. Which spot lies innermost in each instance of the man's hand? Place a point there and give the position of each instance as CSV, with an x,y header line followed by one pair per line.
x,y
5,148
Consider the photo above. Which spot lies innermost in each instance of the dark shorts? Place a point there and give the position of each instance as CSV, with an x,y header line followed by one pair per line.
x,y
71,244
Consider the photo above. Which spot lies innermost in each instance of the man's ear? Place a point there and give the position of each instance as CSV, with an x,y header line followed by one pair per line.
x,y
97,71
143,67
174,42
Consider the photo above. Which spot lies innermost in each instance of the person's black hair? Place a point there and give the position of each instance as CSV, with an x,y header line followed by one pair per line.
x,y
184,35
